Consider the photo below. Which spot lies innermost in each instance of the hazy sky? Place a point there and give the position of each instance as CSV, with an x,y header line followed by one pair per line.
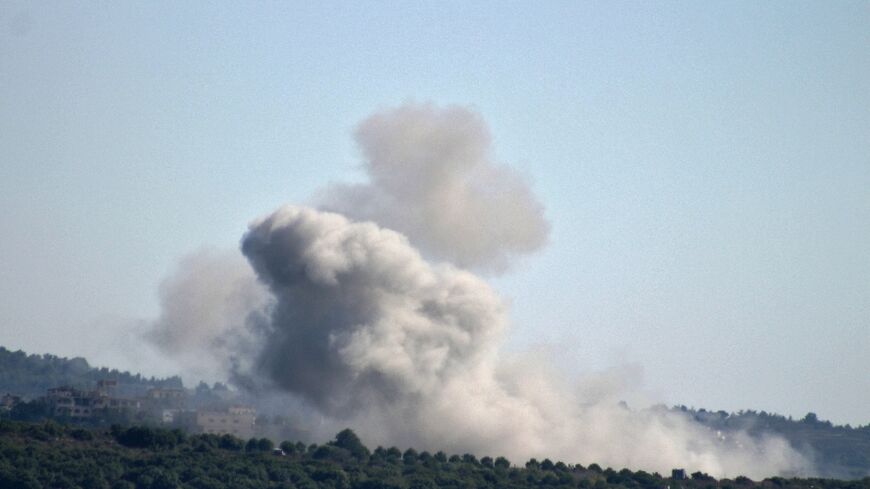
x,y
705,168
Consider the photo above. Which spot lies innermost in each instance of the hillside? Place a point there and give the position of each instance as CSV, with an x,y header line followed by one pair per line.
x,y
841,452
30,375
46,455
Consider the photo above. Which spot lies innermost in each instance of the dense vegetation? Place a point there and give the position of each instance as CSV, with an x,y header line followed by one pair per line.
x,y
841,452
30,375
43,455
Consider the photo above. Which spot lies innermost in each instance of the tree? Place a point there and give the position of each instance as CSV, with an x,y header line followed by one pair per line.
x,y
230,442
348,440
393,454
331,452
701,476
30,411
265,445
469,459
288,446
410,456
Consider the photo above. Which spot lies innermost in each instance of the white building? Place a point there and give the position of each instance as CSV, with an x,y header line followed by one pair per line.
x,y
237,421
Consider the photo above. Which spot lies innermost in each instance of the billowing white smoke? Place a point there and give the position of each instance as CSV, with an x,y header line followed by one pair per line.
x,y
349,317
432,178
360,316
211,308
373,334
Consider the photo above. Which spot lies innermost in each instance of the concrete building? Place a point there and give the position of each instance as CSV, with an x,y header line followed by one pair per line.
x,y
237,421
164,403
169,416
167,396
75,403
107,386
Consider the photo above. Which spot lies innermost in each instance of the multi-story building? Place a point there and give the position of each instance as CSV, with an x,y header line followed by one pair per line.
x,y
237,421
167,397
75,403
168,405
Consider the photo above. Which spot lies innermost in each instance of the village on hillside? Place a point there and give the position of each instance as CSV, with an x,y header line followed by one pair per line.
x,y
164,406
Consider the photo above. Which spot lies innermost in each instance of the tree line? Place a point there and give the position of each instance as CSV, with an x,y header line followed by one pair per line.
x,y
52,455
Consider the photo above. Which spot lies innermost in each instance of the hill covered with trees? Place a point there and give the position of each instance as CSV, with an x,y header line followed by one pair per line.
x,y
30,375
841,452
43,455
838,451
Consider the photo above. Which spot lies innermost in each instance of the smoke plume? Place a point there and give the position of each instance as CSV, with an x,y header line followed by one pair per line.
x,y
210,309
369,332
346,315
432,178
360,316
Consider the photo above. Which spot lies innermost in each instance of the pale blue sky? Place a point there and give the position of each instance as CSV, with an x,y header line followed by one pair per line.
x,y
704,165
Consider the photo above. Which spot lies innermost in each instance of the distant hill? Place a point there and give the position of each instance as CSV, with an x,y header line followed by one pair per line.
x,y
839,451
30,375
